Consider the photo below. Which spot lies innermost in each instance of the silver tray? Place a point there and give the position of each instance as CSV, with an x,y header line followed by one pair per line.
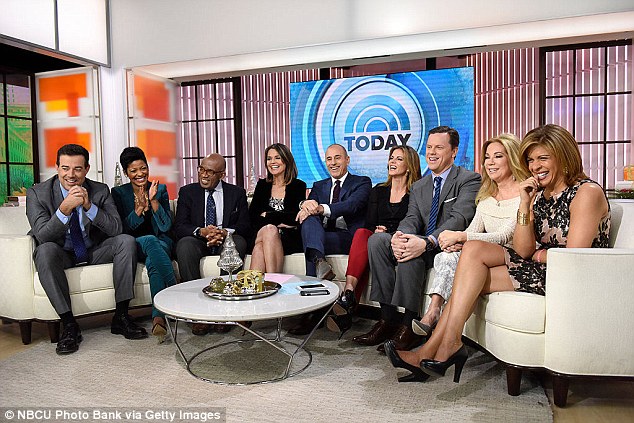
x,y
269,287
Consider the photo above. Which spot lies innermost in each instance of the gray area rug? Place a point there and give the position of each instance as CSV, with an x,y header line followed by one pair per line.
x,y
345,382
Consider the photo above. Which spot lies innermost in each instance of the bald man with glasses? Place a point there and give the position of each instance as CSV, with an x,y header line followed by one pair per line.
x,y
206,212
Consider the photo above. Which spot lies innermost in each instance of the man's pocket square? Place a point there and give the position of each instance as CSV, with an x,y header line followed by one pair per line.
x,y
449,199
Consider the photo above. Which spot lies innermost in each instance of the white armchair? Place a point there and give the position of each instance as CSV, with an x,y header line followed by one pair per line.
x,y
22,297
584,324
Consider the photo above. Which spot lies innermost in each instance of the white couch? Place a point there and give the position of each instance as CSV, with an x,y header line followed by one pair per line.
x,y
583,327
23,299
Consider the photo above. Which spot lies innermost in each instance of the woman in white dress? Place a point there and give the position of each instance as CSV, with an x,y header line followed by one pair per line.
x,y
494,220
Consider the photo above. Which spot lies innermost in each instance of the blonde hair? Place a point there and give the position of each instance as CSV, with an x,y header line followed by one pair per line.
x,y
412,161
561,144
511,145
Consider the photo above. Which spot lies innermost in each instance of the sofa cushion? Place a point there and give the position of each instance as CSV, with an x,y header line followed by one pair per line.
x,y
519,311
81,279
95,277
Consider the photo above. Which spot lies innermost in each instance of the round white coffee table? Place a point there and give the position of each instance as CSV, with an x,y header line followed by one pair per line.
x,y
185,302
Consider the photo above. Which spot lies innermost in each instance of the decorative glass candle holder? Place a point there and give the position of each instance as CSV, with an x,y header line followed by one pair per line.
x,y
229,259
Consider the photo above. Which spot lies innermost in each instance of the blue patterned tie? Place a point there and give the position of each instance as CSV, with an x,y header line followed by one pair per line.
x,y
433,213
211,210
211,218
77,238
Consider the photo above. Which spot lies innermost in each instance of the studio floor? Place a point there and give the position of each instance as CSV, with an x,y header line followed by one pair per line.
x,y
588,400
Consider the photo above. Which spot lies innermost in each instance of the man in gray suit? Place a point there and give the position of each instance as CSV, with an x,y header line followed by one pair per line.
x,y
445,199
74,222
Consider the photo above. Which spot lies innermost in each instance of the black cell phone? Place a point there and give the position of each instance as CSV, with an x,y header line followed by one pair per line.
x,y
314,292
312,286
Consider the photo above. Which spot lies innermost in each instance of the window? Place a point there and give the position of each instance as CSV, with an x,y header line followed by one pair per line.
x,y
587,89
238,118
16,135
265,110
209,124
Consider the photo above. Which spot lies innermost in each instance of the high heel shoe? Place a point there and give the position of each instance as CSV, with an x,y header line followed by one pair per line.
x,y
339,324
417,374
420,328
439,368
160,331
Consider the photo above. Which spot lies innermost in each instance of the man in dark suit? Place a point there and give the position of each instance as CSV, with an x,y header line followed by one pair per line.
x,y
445,199
206,212
334,210
74,221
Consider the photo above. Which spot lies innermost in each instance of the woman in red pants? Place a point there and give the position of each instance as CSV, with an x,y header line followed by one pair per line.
x,y
386,208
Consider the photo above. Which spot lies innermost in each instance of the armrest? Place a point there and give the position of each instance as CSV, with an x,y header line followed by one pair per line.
x,y
16,276
589,323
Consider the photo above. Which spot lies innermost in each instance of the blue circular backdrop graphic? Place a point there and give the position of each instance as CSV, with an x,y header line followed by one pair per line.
x,y
369,115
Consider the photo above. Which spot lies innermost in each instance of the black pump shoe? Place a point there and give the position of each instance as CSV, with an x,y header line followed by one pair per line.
x,y
439,368
345,304
339,324
417,374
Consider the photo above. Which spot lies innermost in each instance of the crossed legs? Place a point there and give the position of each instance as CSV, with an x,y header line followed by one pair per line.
x,y
481,270
268,252
445,266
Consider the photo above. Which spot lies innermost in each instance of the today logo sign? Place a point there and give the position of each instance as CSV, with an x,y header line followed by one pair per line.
x,y
370,115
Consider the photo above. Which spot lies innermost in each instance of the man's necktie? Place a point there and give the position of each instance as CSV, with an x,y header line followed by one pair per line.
x,y
336,191
77,238
211,210
211,218
433,213
332,223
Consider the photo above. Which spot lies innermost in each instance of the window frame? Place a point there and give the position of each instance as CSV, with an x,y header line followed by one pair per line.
x,y
34,133
604,94
238,155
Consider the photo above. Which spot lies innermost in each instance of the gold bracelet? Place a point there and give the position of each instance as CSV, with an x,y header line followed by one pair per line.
x,y
523,219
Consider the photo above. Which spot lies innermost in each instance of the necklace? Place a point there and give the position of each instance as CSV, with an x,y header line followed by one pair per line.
x,y
137,198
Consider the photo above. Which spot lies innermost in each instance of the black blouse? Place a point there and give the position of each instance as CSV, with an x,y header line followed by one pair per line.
x,y
295,192
382,212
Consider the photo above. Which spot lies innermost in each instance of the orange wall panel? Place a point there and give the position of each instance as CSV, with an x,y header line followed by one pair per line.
x,y
152,98
68,88
55,138
159,146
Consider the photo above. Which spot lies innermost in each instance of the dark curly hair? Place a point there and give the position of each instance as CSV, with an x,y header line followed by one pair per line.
x,y
129,155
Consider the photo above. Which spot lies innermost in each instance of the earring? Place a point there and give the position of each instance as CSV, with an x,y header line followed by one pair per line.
x,y
565,170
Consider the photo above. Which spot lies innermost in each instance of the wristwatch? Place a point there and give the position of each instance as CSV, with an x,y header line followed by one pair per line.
x,y
197,232
429,244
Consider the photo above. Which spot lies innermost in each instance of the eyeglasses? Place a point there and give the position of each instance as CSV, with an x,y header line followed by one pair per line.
x,y
209,172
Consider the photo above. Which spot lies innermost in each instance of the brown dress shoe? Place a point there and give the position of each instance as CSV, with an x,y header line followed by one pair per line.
x,y
323,269
405,339
222,328
306,324
381,332
201,329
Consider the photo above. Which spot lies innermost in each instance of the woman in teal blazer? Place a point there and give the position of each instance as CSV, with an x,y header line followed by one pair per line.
x,y
145,213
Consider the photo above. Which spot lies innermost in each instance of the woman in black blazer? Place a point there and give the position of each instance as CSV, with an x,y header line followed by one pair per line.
x,y
273,209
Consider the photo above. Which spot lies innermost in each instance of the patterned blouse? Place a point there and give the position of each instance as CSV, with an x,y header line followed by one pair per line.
x,y
551,226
